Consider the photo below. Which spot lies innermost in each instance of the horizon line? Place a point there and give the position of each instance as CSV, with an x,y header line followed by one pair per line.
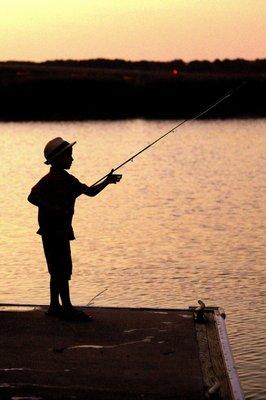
x,y
130,61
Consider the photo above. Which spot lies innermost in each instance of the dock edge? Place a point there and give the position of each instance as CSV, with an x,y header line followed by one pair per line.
x,y
237,392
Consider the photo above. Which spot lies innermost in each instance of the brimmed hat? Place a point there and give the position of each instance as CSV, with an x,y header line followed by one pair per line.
x,y
54,148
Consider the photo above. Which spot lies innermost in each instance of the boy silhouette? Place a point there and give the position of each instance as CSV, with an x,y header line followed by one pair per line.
x,y
55,196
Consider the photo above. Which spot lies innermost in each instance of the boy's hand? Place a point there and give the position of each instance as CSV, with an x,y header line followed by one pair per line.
x,y
113,178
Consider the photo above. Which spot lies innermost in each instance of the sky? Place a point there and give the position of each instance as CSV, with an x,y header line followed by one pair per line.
x,y
159,30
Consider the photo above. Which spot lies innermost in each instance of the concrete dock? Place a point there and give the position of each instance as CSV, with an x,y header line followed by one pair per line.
x,y
122,354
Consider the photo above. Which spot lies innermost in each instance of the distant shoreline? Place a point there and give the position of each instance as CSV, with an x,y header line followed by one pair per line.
x,y
117,89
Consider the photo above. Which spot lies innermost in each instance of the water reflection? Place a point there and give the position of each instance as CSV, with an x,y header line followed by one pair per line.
x,y
186,222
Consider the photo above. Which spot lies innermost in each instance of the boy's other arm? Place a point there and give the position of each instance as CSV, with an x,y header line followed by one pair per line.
x,y
35,199
94,190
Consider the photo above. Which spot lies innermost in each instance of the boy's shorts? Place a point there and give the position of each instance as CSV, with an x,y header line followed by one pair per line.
x,y
58,256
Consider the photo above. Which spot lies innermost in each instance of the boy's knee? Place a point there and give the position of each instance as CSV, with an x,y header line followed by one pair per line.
x,y
59,280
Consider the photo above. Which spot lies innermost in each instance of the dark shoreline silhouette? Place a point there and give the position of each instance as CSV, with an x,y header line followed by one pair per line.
x,y
116,89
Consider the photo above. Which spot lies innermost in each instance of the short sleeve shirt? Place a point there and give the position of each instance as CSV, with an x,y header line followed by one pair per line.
x,y
58,190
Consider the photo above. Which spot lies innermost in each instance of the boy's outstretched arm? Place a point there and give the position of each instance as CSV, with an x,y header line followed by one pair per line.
x,y
94,190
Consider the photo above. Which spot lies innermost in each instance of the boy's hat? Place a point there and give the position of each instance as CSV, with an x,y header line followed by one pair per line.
x,y
55,147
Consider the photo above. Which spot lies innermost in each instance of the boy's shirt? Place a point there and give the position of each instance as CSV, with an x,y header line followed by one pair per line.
x,y
55,195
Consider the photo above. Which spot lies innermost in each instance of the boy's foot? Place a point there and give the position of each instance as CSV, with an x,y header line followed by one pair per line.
x,y
54,311
72,314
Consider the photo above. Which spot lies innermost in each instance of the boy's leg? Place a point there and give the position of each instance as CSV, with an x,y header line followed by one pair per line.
x,y
54,293
64,294
70,312
58,256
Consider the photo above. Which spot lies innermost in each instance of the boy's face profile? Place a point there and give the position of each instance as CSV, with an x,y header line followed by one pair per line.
x,y
64,160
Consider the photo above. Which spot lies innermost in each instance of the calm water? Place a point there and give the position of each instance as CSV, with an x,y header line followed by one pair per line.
x,y
187,222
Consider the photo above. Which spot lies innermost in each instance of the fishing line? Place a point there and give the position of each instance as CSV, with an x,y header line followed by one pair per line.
x,y
210,107
97,295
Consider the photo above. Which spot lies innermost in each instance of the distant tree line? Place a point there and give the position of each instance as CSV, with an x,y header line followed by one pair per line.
x,y
115,89
238,65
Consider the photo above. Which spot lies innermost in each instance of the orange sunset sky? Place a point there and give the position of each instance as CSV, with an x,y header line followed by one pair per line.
x,y
37,30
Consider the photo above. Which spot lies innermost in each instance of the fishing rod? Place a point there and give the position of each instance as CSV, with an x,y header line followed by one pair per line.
x,y
210,107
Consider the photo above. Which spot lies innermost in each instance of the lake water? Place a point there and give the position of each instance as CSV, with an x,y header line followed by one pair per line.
x,y
186,222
